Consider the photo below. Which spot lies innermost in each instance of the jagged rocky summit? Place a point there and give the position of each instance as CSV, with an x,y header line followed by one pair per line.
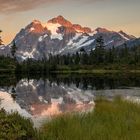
x,y
60,36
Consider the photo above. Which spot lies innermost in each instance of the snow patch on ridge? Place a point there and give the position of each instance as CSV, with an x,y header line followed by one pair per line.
x,y
28,54
87,43
74,38
2,47
112,41
79,31
80,42
123,36
93,33
53,28
45,35
32,29
40,39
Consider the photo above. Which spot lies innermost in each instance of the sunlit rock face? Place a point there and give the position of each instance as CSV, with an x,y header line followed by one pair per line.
x,y
60,36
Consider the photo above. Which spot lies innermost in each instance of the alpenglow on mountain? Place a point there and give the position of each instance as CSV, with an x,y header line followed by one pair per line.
x,y
60,36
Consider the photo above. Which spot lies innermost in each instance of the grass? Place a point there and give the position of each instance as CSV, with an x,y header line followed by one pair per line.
x,y
97,71
117,120
110,120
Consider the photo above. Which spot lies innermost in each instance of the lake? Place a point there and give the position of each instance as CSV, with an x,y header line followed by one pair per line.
x,y
41,98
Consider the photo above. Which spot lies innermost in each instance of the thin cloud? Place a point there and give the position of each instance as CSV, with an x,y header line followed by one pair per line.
x,y
10,6
13,6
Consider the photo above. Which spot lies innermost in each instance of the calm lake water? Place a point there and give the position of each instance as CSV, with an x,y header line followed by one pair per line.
x,y
42,98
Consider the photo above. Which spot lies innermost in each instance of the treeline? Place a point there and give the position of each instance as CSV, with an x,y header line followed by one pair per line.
x,y
99,58
100,55
7,64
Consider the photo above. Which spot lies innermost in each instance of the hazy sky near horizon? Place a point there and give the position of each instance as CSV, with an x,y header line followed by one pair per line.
x,y
111,14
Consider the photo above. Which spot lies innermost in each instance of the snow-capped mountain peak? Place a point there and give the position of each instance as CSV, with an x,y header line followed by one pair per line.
x,y
60,20
54,29
60,36
102,30
35,21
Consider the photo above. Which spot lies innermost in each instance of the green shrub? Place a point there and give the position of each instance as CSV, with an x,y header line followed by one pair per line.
x,y
15,127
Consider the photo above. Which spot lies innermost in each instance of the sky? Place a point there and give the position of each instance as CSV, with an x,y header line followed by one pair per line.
x,y
114,15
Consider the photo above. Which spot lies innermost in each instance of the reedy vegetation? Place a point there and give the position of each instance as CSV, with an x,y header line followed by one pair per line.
x,y
117,120
110,120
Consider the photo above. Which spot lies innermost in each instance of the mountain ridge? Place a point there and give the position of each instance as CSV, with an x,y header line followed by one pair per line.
x,y
59,36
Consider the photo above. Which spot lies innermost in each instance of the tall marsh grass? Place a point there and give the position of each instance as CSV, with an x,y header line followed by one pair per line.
x,y
110,120
117,120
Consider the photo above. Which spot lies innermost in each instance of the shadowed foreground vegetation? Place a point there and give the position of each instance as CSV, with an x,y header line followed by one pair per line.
x,y
110,120
15,127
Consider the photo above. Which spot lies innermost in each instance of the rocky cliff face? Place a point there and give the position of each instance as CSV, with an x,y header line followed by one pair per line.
x,y
60,36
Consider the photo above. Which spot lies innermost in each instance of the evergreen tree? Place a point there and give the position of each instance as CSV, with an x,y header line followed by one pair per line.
x,y
0,38
100,50
114,54
126,53
109,56
82,50
83,56
77,58
92,57
13,49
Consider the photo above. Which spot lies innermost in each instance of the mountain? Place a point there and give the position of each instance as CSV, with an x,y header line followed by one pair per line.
x,y
5,50
60,36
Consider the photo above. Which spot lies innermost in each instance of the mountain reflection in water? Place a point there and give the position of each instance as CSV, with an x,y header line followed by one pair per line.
x,y
42,99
